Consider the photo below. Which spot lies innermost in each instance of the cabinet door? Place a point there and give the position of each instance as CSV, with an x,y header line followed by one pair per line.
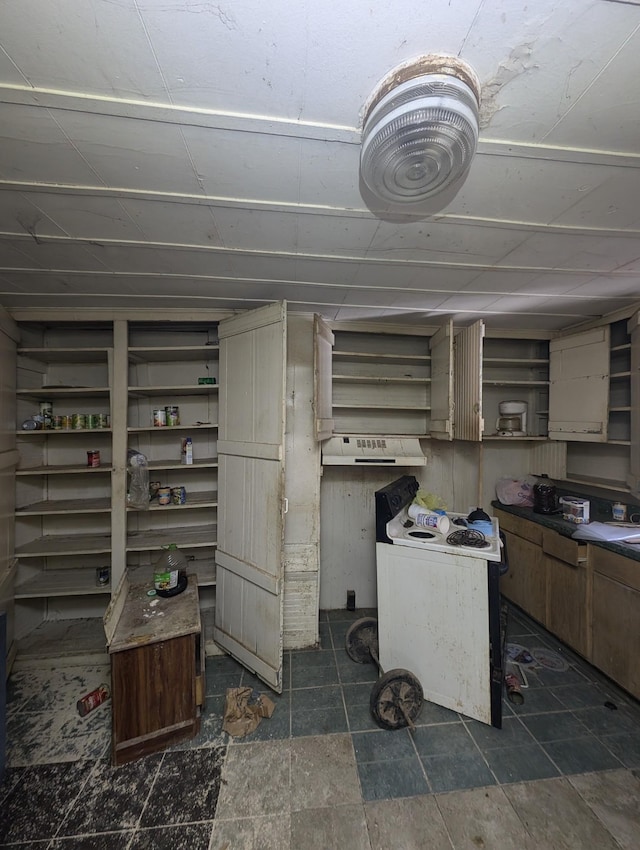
x,y
634,460
579,386
8,461
322,368
567,603
249,557
441,345
616,631
525,582
469,423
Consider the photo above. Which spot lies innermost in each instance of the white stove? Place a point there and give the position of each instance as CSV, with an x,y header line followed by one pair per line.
x,y
403,531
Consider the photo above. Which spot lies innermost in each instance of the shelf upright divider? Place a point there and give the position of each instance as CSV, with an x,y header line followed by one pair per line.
x,y
119,408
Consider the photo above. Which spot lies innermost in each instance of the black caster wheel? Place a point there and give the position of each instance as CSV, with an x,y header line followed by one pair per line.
x,y
396,699
362,639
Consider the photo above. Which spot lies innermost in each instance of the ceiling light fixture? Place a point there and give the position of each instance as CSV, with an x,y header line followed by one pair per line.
x,y
419,136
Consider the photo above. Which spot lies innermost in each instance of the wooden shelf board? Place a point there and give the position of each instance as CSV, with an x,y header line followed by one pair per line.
x,y
625,346
63,470
173,353
179,389
528,437
362,379
194,500
80,640
618,443
66,506
165,429
66,355
198,463
65,544
205,572
48,432
61,583
621,409
619,376
516,361
63,392
184,537
514,383
373,355
417,408
603,483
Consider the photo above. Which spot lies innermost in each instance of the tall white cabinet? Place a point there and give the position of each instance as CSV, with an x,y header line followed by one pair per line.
x,y
74,523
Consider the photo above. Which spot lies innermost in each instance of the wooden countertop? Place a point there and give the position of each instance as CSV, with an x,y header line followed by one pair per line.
x,y
150,619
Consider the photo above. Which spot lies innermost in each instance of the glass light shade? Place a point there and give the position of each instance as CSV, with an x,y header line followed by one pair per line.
x,y
419,139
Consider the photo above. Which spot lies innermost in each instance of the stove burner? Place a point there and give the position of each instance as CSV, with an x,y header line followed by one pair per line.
x,y
468,537
422,535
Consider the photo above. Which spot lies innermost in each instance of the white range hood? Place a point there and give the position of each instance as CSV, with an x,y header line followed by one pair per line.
x,y
372,451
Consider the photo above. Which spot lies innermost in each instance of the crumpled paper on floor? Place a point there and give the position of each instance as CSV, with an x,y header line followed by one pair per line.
x,y
244,708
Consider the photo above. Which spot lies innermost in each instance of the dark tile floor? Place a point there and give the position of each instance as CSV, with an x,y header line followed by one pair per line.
x,y
61,792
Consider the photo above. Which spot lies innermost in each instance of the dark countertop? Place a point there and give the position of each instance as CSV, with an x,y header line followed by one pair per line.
x,y
565,528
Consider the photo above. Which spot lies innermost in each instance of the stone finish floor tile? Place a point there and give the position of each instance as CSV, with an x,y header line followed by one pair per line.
x,y
250,771
323,772
326,829
270,832
615,799
414,823
557,817
483,818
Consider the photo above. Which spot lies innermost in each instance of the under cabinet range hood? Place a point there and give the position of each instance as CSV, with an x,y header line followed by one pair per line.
x,y
373,451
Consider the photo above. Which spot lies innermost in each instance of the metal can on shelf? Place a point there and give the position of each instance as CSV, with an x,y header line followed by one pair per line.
x,y
78,421
66,422
103,420
46,411
102,576
159,417
93,458
57,423
178,495
173,414
93,420
164,495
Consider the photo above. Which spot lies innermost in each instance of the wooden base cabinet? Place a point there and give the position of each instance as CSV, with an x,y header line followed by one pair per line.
x,y
616,618
568,592
157,670
525,583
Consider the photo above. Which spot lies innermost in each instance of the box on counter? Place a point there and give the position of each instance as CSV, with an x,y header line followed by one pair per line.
x,y
574,509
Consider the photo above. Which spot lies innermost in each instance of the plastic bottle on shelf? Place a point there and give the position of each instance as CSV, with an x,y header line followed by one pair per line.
x,y
169,571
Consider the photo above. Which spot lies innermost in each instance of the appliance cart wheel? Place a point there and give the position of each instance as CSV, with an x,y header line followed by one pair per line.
x,y
361,641
396,699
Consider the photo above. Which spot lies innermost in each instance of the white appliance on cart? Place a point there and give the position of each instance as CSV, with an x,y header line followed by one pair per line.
x,y
439,606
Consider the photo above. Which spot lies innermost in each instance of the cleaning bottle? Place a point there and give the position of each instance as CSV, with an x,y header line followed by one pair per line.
x,y
168,567
429,519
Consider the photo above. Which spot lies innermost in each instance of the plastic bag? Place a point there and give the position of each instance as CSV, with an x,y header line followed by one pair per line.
x,y
429,501
516,491
139,485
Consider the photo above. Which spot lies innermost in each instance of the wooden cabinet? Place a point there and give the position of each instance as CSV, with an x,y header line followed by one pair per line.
x,y
525,583
616,617
568,592
157,670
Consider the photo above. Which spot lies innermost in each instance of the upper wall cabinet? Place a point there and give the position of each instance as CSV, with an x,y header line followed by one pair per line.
x,y
384,383
633,329
492,370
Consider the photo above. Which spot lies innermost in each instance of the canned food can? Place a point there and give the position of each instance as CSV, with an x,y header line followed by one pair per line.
x,y
46,411
78,421
178,495
92,700
159,417
93,420
102,576
164,495
93,458
173,414
39,420
66,422
57,423
103,420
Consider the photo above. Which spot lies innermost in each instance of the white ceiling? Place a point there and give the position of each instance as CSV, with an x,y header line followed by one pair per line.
x,y
185,153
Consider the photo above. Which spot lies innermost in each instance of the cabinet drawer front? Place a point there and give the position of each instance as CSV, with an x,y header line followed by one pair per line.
x,y
563,548
522,527
617,567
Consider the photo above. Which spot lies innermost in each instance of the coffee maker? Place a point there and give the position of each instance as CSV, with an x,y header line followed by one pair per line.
x,y
512,421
